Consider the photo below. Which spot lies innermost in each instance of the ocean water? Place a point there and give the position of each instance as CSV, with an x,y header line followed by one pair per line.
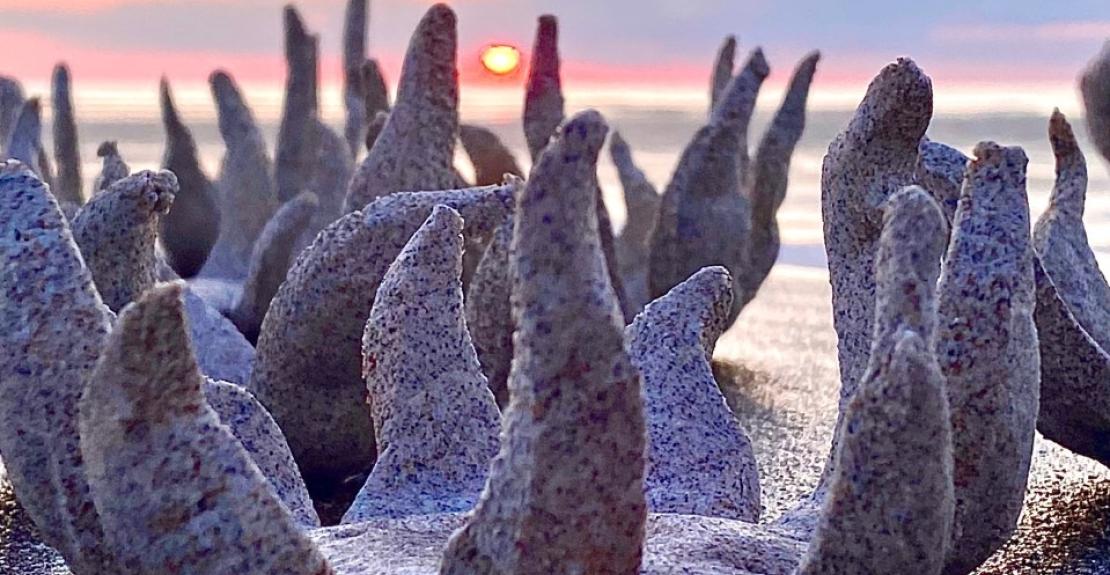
x,y
658,124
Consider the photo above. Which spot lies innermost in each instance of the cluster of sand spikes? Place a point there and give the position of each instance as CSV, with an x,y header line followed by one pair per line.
x,y
990,210
403,159
985,342
21,132
719,208
216,229
55,326
241,232
146,391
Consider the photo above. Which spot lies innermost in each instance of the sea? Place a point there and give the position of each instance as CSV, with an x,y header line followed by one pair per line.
x,y
657,122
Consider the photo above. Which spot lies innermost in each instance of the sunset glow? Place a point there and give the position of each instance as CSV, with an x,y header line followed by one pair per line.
x,y
501,59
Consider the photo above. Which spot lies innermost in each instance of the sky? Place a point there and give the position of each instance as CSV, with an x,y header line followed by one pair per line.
x,y
1031,44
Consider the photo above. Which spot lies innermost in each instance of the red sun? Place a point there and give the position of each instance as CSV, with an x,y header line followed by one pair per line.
x,y
501,59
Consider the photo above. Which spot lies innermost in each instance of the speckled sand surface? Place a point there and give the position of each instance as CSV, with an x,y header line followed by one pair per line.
x,y
783,348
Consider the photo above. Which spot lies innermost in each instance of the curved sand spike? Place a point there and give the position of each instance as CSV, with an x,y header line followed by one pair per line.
x,y
248,197
117,232
264,442
700,460
488,317
374,89
174,489
890,501
491,159
642,202
113,168
296,143
871,159
269,262
11,102
1094,85
704,220
987,348
1071,315
565,494
435,420
770,175
66,146
25,141
723,68
52,325
307,370
354,55
543,96
191,229
1069,194
940,170
1075,377
416,147
735,109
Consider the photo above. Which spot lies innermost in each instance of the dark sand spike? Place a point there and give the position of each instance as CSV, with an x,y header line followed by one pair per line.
x,y
771,170
296,144
191,229
247,193
270,259
632,246
723,68
489,156
66,145
354,55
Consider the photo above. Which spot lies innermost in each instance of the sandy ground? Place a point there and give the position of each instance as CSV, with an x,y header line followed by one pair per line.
x,y
778,369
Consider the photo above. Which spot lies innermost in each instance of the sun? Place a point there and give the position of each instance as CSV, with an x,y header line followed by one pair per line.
x,y
501,59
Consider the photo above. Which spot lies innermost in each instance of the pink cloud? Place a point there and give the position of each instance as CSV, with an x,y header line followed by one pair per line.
x,y
1075,31
40,52
80,5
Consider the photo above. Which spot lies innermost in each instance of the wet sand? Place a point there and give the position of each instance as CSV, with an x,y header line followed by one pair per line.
x,y
778,369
